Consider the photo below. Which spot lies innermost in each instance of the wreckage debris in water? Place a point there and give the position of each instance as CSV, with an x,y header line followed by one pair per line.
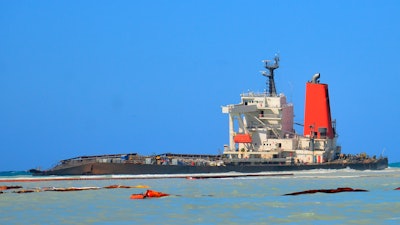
x,y
2,188
329,191
149,194
66,189
125,186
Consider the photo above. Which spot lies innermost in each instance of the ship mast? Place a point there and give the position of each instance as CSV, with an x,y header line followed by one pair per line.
x,y
271,82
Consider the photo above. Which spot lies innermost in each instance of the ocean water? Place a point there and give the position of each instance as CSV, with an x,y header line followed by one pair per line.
x,y
246,200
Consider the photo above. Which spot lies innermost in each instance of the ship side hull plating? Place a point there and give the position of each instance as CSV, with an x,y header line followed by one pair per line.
x,y
139,169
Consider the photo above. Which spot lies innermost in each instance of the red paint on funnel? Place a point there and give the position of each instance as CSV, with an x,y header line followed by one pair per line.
x,y
317,114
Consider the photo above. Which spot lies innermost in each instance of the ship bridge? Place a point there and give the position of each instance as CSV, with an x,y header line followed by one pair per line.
x,y
260,117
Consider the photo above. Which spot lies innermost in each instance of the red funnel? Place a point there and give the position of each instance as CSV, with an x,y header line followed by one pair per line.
x,y
317,117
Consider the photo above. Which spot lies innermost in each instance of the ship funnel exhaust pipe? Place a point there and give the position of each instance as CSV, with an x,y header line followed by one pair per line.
x,y
315,78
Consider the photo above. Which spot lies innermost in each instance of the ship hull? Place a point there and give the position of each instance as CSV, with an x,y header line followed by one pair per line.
x,y
141,169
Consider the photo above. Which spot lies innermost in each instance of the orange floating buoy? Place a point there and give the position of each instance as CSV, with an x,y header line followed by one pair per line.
x,y
149,194
137,196
155,194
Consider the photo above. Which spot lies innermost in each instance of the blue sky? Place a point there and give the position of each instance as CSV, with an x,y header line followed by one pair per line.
x,y
96,77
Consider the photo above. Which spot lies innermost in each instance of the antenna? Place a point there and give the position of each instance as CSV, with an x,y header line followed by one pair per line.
x,y
271,81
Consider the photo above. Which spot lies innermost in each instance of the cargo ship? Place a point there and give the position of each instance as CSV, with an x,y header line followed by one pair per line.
x,y
262,138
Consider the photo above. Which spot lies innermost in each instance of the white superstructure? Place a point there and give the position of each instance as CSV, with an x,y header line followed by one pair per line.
x,y
261,127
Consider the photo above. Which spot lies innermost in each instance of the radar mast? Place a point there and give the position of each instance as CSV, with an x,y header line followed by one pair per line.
x,y
271,81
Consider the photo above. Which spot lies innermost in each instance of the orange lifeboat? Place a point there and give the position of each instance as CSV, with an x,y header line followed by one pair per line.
x,y
242,138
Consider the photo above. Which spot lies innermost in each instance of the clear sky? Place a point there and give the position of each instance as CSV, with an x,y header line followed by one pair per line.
x,y
96,77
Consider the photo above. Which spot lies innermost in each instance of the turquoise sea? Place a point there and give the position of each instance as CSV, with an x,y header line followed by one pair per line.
x,y
251,200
